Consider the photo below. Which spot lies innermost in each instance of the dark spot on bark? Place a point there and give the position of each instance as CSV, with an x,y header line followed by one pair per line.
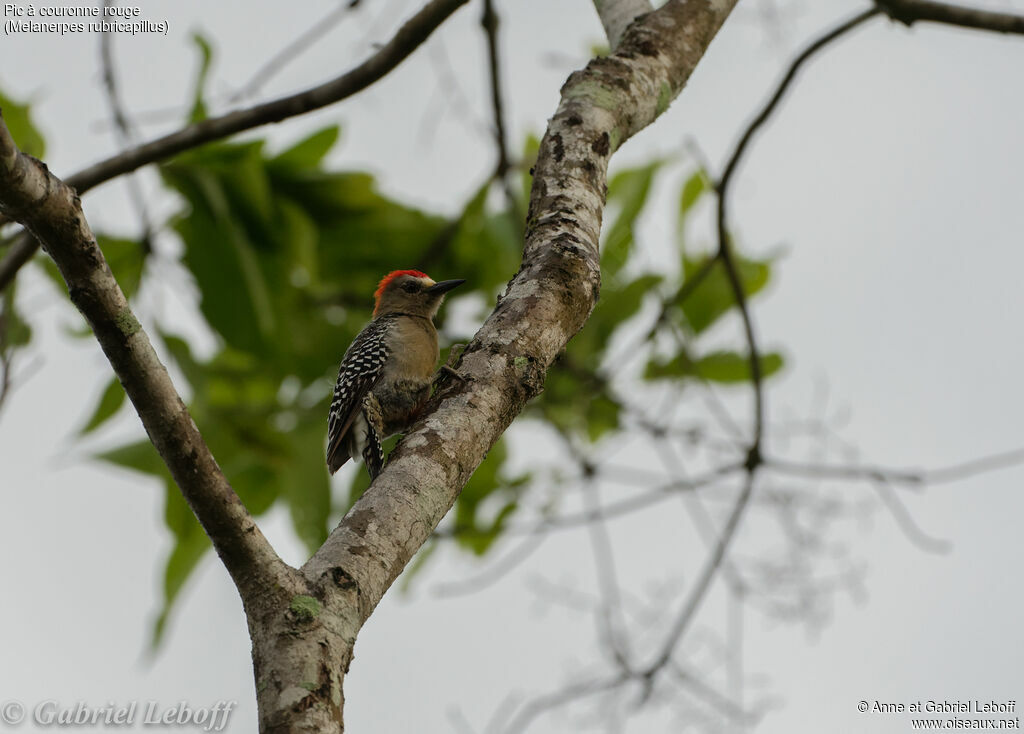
x,y
359,550
647,47
567,242
559,151
611,72
360,522
342,579
574,120
602,145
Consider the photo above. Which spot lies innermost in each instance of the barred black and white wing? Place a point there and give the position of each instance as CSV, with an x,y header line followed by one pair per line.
x,y
360,369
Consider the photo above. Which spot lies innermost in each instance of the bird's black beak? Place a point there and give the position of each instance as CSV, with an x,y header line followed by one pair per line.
x,y
444,286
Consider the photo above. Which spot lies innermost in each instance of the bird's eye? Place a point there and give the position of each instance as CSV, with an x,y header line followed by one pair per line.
x,y
411,286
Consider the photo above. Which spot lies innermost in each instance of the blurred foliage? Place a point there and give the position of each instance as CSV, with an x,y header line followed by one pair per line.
x,y
284,253
18,119
15,332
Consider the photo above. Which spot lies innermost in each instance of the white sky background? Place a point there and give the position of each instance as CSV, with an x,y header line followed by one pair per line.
x,y
893,176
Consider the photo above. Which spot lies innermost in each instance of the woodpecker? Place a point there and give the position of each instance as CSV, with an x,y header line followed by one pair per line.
x,y
387,372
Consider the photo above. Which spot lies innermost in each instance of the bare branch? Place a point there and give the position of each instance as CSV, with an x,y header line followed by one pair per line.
x,y
497,570
610,612
503,170
724,249
939,475
616,15
542,704
294,48
907,524
122,125
51,211
707,575
911,11
406,40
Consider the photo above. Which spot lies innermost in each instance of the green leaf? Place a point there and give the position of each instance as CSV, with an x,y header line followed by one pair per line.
x,y
182,355
18,119
305,484
191,543
234,289
14,330
140,456
474,530
576,372
310,152
731,367
531,147
628,191
198,111
708,301
694,188
126,259
719,366
109,403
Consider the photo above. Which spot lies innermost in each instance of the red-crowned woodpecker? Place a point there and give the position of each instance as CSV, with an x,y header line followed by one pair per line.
x,y
386,375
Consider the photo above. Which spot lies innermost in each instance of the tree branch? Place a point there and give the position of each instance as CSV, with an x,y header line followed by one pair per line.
x,y
123,127
295,47
616,15
489,22
409,37
51,211
547,302
724,250
911,11
700,588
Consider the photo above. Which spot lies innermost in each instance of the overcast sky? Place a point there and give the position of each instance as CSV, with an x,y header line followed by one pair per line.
x,y
892,179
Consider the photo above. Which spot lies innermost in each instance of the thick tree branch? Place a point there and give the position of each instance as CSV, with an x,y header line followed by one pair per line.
x,y
51,211
406,40
547,302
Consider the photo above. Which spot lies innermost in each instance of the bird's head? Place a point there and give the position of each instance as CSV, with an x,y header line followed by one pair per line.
x,y
410,292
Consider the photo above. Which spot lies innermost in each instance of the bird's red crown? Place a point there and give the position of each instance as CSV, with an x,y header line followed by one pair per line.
x,y
391,276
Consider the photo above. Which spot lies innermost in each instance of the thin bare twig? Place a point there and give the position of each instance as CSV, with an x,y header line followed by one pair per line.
x,y
539,706
497,570
724,250
699,514
293,50
610,612
503,169
123,126
700,588
940,475
906,522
